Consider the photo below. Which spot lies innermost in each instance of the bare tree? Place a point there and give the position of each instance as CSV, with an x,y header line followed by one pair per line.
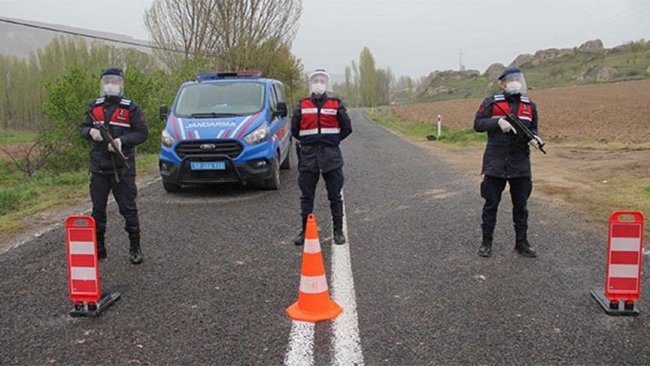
x,y
183,26
27,158
230,32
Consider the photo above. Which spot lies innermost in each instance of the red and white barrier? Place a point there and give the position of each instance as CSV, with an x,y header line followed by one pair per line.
x,y
624,264
625,257
83,268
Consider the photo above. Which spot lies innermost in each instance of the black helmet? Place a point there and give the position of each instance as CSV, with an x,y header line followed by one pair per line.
x,y
508,71
113,71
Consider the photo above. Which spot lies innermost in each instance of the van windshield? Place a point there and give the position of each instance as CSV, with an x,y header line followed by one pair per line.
x,y
205,100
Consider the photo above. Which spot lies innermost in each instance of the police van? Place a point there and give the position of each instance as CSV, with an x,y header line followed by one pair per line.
x,y
226,127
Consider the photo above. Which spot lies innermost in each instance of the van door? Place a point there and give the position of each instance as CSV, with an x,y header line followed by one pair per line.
x,y
281,126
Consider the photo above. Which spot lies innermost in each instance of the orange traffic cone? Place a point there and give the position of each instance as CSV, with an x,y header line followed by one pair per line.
x,y
314,303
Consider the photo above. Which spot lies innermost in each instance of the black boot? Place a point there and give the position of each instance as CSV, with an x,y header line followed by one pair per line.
x,y
522,246
337,225
101,247
300,238
135,252
485,250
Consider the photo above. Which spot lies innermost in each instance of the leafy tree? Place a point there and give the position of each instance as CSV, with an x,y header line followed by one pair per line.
x,y
66,105
367,79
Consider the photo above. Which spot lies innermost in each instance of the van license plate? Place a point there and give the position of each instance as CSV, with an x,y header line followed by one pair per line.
x,y
208,165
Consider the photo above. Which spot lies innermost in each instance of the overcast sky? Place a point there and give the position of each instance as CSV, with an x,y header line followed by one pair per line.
x,y
412,37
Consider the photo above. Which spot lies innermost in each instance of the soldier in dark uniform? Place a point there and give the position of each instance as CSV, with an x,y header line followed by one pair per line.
x,y
125,122
507,158
320,123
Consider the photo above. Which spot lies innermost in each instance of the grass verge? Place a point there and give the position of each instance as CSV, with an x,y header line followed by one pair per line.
x,y
419,131
22,197
17,138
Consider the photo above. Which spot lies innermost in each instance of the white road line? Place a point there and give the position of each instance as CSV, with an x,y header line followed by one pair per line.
x,y
346,344
301,344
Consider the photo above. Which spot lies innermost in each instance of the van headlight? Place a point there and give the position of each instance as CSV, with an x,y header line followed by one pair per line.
x,y
167,138
258,135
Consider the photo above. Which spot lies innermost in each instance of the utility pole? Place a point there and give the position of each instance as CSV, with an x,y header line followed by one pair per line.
x,y
460,60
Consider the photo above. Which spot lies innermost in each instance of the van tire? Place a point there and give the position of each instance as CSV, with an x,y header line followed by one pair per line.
x,y
288,160
273,183
171,187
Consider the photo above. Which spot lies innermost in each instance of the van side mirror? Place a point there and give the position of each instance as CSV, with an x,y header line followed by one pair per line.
x,y
164,112
282,110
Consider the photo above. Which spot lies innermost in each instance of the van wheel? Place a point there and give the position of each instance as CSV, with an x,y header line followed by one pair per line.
x,y
288,160
273,183
171,187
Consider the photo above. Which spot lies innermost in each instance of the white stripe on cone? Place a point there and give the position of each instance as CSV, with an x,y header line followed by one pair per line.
x,y
313,284
312,246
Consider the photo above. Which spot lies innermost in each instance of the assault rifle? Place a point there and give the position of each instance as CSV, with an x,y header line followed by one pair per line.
x,y
106,135
521,128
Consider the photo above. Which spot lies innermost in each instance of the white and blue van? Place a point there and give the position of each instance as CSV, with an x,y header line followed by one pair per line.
x,y
226,127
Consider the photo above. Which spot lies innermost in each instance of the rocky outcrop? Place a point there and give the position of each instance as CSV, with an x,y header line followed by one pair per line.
x,y
542,56
494,70
595,46
550,54
521,60
434,82
606,74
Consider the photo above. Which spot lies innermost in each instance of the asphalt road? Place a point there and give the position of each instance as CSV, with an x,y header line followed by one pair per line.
x,y
220,269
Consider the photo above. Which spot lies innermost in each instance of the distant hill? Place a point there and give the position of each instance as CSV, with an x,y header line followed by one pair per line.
x,y
19,41
590,63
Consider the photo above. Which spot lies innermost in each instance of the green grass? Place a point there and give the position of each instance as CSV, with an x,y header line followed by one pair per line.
x,y
647,192
16,138
419,130
22,197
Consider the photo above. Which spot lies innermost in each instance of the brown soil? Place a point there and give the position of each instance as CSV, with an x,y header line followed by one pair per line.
x,y
618,112
17,151
590,182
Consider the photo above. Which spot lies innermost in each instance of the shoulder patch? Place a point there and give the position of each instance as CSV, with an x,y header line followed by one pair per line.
x,y
499,97
524,99
125,102
99,101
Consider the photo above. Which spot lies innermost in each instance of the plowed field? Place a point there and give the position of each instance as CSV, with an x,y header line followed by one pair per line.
x,y
618,112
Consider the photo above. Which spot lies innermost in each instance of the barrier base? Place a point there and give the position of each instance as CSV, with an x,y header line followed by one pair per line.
x,y
620,308
95,309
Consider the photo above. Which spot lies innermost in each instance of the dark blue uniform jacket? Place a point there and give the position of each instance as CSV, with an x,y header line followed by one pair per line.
x,y
506,155
103,161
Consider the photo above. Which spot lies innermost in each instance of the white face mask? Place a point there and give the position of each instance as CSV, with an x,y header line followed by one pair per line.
x,y
513,87
318,88
112,90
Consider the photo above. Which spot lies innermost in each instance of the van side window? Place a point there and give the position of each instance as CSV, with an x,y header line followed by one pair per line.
x,y
282,97
274,98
